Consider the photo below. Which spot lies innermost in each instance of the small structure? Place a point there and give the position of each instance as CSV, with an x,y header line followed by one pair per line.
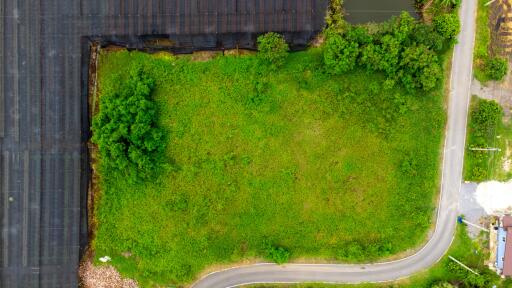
x,y
504,247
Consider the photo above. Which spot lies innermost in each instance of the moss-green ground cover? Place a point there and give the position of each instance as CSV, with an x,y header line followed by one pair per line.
x,y
331,167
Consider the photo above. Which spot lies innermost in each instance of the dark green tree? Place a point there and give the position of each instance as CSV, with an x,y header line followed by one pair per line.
x,y
125,128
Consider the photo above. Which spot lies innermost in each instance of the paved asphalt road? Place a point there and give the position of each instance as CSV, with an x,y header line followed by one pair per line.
x,y
447,210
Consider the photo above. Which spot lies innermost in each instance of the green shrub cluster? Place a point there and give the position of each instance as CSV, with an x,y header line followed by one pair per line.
x,y
485,119
496,67
272,48
125,128
277,254
405,50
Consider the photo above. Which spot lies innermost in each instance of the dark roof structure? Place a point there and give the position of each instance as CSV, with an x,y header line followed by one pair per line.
x,y
44,122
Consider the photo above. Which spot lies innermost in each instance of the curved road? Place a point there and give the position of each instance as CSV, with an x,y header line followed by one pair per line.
x,y
442,237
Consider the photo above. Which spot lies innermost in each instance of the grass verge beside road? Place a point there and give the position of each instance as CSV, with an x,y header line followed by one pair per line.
x,y
482,42
470,252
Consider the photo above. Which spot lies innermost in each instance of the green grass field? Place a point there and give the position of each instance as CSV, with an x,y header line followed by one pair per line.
x,y
329,167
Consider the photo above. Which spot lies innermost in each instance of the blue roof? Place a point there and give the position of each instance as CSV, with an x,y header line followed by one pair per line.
x,y
500,253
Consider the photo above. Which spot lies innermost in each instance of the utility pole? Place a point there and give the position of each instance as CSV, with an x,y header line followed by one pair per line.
x,y
462,264
475,225
485,149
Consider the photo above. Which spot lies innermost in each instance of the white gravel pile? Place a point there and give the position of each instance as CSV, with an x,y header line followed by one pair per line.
x,y
495,197
104,276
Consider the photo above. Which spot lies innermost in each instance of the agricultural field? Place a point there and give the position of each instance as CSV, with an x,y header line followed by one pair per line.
x,y
328,154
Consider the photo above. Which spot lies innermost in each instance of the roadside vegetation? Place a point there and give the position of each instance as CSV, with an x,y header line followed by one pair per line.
x,y
314,154
445,274
486,130
486,65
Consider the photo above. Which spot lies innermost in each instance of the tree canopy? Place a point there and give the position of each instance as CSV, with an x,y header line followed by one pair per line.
x,y
125,128
405,50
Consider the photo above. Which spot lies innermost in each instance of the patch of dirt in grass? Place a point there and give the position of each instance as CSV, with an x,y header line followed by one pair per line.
x,y
202,56
103,277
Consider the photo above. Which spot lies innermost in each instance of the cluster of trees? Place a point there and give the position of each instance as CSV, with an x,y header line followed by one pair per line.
x,y
125,128
405,50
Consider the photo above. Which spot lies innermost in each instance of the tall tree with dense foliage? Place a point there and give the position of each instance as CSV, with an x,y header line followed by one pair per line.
x,y
125,128
272,48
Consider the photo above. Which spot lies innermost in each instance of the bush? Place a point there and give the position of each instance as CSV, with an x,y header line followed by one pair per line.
x,y
485,117
340,55
420,68
272,48
125,128
425,35
447,25
496,68
278,254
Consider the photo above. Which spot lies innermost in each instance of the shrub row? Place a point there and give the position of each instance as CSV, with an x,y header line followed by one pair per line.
x,y
404,49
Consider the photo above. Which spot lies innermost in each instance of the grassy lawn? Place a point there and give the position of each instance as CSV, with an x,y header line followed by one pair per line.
x,y
328,167
486,165
482,42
